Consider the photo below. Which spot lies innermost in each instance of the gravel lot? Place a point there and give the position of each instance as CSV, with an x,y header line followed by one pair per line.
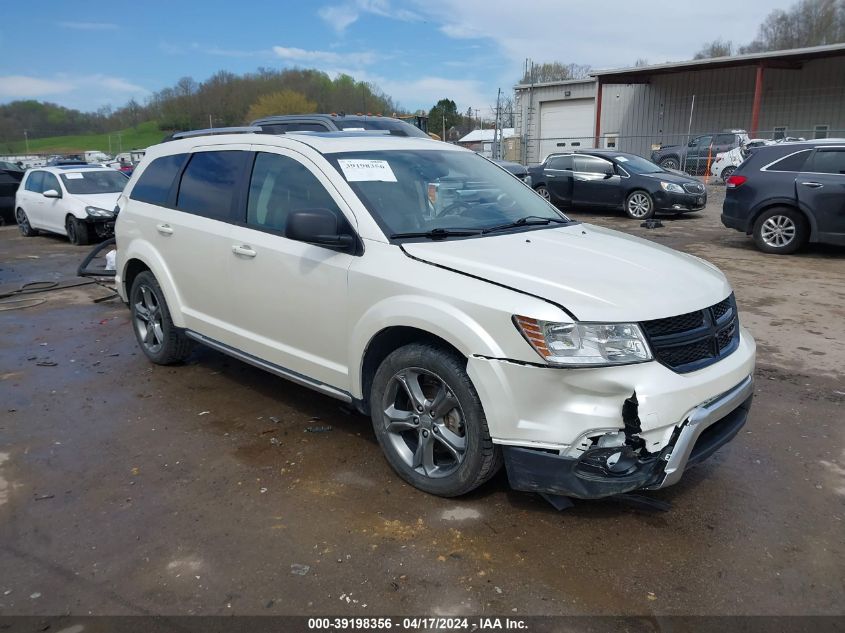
x,y
127,488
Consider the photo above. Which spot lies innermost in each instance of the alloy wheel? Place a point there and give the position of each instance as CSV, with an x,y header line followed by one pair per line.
x,y
639,205
424,422
23,221
148,319
544,192
669,163
778,231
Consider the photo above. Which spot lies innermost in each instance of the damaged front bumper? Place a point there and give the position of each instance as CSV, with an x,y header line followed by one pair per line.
x,y
606,471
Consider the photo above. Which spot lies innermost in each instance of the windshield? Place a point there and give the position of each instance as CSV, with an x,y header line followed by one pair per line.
x,y
434,190
638,165
94,181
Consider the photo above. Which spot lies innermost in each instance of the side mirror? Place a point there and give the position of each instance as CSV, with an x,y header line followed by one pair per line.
x,y
52,193
320,227
609,174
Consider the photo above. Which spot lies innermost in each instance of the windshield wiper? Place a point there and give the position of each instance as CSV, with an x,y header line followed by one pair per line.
x,y
528,220
437,234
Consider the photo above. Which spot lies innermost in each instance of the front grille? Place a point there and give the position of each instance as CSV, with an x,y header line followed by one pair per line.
x,y
693,187
694,340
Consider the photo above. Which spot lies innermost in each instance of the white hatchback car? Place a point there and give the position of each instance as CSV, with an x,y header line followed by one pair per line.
x,y
474,322
73,200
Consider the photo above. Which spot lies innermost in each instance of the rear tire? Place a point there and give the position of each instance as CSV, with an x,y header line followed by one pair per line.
x,y
23,223
78,232
781,231
161,341
544,193
670,162
726,173
433,431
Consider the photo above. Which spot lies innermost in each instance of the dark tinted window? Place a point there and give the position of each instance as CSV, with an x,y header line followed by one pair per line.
x,y
280,185
154,184
34,181
724,139
209,183
591,164
307,127
795,162
275,128
50,182
828,161
560,162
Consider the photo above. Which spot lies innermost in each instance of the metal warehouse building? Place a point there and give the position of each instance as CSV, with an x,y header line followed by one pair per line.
x,y
791,93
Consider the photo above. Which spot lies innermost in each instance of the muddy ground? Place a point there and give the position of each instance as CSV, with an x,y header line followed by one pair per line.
x,y
128,488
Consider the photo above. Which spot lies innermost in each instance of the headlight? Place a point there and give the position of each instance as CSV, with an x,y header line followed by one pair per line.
x,y
526,178
671,186
585,344
97,212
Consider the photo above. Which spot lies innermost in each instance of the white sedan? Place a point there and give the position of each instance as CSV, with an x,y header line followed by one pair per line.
x,y
73,200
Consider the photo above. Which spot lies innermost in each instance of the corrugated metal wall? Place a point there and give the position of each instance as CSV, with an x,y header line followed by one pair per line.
x,y
643,115
659,112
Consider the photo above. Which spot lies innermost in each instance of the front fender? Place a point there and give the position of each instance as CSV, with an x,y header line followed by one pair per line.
x,y
424,313
143,252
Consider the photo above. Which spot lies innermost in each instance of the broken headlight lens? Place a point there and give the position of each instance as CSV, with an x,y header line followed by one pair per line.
x,y
585,343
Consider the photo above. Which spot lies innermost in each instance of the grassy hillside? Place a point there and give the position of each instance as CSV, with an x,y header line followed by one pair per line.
x,y
141,136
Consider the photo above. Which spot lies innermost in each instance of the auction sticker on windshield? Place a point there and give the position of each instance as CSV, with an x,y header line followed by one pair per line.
x,y
364,170
74,176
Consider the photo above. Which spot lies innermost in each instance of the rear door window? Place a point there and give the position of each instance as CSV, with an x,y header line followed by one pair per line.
x,y
210,182
793,162
155,182
34,182
828,161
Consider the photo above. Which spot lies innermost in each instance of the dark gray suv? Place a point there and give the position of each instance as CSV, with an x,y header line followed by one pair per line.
x,y
789,194
693,157
336,123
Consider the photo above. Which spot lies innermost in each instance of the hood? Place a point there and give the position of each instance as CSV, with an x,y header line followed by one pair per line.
x,y
595,273
671,176
101,200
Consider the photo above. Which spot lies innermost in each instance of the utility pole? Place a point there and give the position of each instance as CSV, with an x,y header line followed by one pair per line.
x,y
443,118
26,140
497,145
210,124
119,143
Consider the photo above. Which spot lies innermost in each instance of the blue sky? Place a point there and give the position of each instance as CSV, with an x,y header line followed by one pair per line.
x,y
86,55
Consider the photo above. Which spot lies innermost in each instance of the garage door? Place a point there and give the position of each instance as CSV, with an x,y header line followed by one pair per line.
x,y
566,125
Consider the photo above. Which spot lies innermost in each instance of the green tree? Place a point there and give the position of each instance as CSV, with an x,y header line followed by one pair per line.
x,y
446,111
716,48
282,102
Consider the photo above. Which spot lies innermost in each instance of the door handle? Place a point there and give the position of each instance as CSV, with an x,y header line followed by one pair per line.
x,y
813,185
164,229
244,250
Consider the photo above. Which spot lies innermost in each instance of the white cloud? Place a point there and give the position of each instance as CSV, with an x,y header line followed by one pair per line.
x,y
424,92
23,87
318,58
90,26
574,32
341,16
86,92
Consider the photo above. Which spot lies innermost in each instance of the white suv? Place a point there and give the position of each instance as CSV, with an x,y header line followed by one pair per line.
x,y
473,321
73,200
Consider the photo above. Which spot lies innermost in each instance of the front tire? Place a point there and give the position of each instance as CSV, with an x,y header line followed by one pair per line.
x,y
161,341
23,223
639,205
428,419
781,231
77,231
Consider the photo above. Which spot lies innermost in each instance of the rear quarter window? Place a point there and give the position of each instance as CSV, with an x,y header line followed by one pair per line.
x,y
155,182
793,162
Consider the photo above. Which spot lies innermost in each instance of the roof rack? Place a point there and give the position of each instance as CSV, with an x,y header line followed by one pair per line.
x,y
246,129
